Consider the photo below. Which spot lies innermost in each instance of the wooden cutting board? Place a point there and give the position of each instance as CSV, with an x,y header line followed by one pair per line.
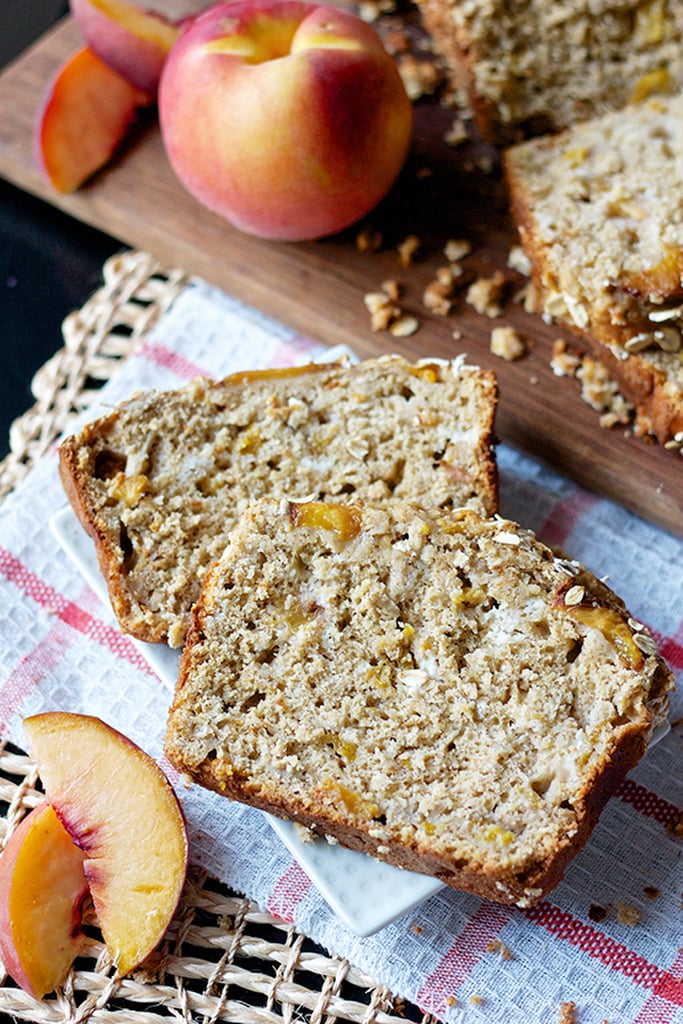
x,y
318,288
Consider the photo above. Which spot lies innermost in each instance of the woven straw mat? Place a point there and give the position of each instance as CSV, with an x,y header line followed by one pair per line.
x,y
223,959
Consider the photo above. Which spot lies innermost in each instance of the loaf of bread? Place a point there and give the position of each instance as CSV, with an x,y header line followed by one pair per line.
x,y
535,66
600,215
432,687
159,482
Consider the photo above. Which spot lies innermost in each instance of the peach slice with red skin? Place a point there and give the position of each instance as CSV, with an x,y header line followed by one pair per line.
x,y
132,41
42,891
121,811
83,118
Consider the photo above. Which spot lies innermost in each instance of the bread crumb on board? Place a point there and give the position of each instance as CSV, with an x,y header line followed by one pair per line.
x,y
369,239
598,389
507,344
486,294
407,250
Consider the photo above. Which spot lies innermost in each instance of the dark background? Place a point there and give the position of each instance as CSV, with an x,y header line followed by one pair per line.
x,y
49,263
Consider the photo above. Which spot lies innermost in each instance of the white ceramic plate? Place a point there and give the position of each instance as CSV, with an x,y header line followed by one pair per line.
x,y
365,893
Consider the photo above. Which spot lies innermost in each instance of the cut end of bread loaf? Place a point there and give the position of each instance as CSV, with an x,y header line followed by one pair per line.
x,y
433,688
600,216
159,483
534,66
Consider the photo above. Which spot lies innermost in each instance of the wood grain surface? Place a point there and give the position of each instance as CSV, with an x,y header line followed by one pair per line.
x,y
318,288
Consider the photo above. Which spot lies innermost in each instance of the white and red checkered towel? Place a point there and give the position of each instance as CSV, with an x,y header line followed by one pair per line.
x,y
608,939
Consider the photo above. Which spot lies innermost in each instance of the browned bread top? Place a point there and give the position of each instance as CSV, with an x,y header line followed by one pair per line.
x,y
432,687
160,481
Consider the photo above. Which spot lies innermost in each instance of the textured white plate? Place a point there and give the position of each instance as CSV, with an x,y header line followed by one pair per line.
x,y
365,893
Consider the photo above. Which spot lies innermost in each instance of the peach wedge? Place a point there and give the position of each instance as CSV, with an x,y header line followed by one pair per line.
x,y
82,120
42,891
132,41
120,809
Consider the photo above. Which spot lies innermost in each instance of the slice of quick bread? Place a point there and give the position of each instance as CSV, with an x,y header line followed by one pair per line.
x,y
432,687
600,215
160,481
533,66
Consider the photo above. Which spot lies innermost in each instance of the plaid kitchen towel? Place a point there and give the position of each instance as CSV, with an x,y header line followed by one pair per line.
x,y
607,940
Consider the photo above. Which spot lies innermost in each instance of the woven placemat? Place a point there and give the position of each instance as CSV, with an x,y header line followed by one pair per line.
x,y
136,290
223,959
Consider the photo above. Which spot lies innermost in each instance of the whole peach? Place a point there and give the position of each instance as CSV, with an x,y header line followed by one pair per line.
x,y
287,118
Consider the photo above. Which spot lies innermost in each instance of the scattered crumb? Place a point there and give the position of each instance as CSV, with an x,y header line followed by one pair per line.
x,y
597,913
369,240
483,163
507,343
652,892
304,835
486,294
519,261
404,326
420,77
529,299
372,10
627,914
564,362
567,1013
392,288
382,310
438,294
417,929
396,41
456,249
476,1000
496,946
424,172
456,134
386,314
675,826
407,249
456,335
675,443
451,1001
598,389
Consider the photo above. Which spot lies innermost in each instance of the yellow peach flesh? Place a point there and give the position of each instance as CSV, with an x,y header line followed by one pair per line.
x,y
118,806
42,889
155,29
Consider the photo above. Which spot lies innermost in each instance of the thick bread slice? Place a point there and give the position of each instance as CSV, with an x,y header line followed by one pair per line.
x,y
160,481
434,688
534,66
600,214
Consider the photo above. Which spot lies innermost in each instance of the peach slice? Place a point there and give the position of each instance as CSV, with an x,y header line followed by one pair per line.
x,y
131,41
83,118
42,890
120,809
